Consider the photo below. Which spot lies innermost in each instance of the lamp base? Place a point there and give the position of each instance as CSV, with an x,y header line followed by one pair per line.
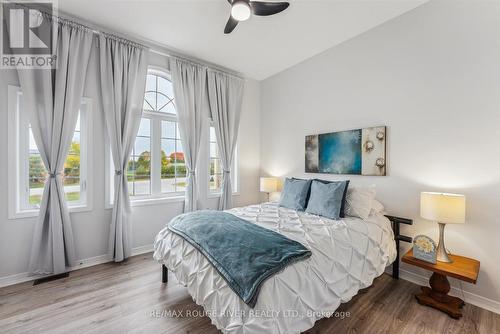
x,y
441,253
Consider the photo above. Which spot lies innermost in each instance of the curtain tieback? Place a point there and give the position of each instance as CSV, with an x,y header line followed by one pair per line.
x,y
54,175
226,171
193,172
118,172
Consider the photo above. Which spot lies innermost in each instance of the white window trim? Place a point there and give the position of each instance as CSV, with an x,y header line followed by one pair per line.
x,y
235,171
16,169
155,129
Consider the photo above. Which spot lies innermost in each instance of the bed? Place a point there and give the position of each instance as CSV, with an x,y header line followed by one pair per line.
x,y
347,255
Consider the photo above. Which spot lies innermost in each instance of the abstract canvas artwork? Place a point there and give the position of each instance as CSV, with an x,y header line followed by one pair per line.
x,y
360,151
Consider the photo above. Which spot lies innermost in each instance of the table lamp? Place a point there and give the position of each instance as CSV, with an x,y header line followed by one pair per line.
x,y
443,209
269,185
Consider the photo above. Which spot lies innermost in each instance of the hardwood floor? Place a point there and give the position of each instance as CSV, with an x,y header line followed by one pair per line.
x,y
129,298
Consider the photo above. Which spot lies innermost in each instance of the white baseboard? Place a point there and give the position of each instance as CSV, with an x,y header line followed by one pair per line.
x,y
84,263
142,249
479,301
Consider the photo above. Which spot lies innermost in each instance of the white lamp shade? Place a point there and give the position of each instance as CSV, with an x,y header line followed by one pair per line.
x,y
443,208
269,184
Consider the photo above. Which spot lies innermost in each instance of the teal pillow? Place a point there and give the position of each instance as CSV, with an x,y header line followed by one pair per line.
x,y
294,194
326,199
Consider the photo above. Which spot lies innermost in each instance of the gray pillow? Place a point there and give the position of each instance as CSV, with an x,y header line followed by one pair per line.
x,y
326,199
342,207
294,194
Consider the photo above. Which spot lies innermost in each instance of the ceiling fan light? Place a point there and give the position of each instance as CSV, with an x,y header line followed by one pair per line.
x,y
240,10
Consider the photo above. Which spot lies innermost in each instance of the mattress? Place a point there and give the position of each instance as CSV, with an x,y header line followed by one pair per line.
x,y
347,255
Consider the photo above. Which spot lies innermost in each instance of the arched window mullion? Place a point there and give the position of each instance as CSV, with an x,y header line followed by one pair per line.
x,y
166,104
156,95
149,104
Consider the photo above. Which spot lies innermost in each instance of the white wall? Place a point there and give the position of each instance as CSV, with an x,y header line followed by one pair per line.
x,y
432,76
91,229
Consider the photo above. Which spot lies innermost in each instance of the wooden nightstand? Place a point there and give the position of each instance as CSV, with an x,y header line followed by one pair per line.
x,y
436,296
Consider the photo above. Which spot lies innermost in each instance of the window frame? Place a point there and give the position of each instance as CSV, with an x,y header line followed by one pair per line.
x,y
156,196
18,158
156,119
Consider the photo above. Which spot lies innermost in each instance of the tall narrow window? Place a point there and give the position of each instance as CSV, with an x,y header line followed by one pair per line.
x,y
26,166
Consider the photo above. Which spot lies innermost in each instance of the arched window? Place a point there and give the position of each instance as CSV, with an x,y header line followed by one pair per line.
x,y
156,166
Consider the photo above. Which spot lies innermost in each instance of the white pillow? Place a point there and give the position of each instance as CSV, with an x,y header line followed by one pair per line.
x,y
359,201
377,207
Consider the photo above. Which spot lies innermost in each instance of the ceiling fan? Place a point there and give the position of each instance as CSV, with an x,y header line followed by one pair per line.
x,y
241,10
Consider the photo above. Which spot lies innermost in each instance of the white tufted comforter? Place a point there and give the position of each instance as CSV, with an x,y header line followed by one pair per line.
x,y
346,256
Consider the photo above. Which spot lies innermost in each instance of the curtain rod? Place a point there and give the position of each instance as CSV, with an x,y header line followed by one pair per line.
x,y
98,32
183,57
138,41
176,55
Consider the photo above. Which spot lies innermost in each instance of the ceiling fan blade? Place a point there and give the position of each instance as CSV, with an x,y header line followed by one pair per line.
x,y
230,25
261,8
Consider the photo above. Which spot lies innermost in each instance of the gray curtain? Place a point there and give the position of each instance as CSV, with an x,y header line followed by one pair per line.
x,y
53,99
225,94
189,81
123,68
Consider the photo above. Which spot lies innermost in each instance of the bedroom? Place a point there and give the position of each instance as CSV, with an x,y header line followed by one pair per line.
x,y
427,71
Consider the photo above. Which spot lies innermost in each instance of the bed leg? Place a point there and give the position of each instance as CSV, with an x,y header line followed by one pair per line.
x,y
164,274
397,238
395,266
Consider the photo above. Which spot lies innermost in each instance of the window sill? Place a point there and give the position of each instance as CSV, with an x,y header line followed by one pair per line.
x,y
35,212
217,195
151,201
156,201
163,200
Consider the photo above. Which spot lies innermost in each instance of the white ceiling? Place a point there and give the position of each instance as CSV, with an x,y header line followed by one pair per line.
x,y
257,48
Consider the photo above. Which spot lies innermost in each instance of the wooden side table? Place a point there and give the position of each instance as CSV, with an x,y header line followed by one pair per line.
x,y
436,296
